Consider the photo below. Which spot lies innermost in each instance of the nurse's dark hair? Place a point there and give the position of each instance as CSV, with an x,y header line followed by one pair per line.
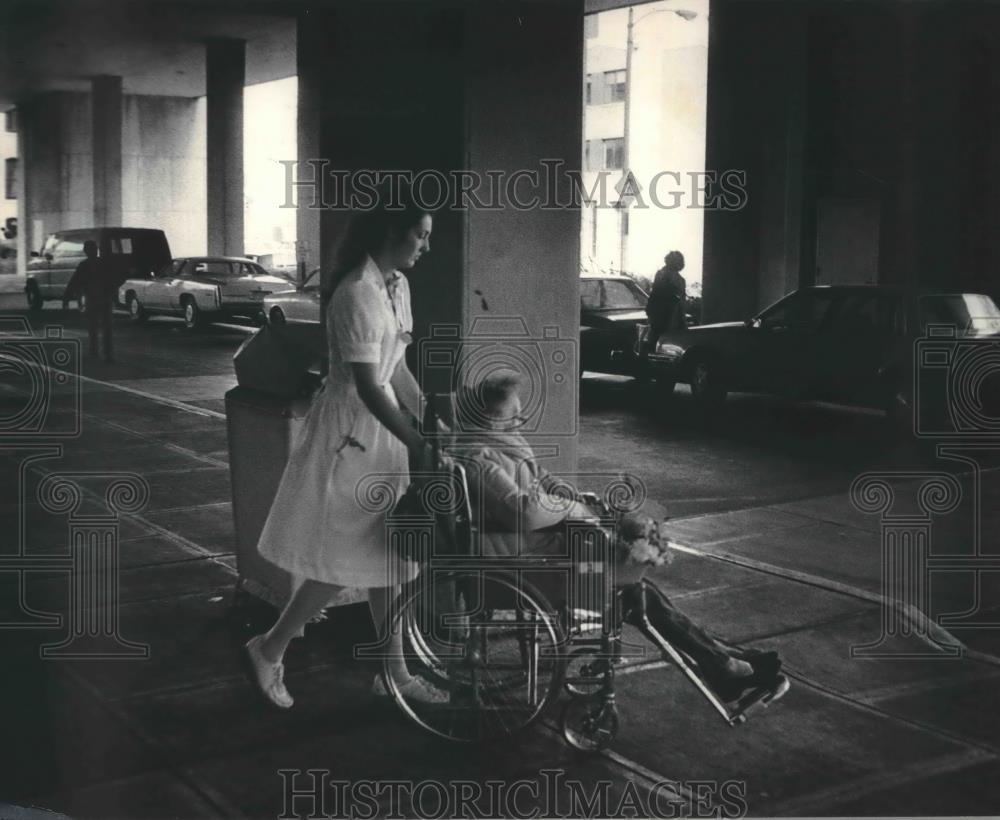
x,y
394,211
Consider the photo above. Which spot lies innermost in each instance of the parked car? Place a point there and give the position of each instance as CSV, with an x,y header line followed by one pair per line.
x,y
202,289
134,252
845,344
611,307
297,306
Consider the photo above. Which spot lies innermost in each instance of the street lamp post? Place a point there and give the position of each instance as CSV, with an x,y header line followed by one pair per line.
x,y
687,16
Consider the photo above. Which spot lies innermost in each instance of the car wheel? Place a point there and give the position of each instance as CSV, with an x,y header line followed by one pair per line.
x,y
277,316
35,300
136,312
192,315
707,384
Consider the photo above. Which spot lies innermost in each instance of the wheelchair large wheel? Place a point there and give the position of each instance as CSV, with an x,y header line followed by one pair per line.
x,y
490,643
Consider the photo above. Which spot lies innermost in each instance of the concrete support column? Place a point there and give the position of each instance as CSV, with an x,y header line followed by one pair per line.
x,y
502,278
225,67
310,46
106,110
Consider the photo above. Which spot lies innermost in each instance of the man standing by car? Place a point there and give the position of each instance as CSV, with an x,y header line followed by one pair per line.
x,y
665,307
95,279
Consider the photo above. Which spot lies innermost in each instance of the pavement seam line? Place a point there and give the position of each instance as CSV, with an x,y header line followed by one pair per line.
x,y
177,448
969,743
156,529
876,694
808,579
178,405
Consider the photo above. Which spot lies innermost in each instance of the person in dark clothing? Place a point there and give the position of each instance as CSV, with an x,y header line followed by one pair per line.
x,y
665,308
96,281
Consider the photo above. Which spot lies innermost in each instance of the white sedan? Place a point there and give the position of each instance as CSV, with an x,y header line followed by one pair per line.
x,y
203,289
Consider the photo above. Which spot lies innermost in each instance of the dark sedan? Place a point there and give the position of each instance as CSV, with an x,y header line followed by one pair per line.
x,y
610,309
845,344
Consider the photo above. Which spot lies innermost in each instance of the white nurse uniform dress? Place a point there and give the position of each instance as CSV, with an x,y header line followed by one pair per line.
x,y
316,527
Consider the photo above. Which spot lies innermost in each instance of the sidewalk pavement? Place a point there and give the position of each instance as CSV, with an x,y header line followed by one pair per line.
x,y
180,733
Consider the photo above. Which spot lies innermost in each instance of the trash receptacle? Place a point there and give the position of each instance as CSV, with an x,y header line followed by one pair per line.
x,y
278,373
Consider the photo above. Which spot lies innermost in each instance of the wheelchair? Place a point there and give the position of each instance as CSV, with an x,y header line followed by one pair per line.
x,y
507,637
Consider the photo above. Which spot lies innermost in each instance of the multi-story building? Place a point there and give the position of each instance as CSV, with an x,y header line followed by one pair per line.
x,y
662,91
8,203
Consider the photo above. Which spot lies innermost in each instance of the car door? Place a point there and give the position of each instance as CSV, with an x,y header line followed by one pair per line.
x,y
66,256
304,305
855,344
40,267
164,285
788,340
592,350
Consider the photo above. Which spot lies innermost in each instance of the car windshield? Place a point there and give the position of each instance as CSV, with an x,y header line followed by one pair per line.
x,y
968,312
611,294
214,267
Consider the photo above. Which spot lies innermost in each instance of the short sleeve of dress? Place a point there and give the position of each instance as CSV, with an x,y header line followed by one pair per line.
x,y
358,324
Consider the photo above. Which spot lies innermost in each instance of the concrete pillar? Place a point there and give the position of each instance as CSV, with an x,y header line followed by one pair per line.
x,y
523,262
106,111
310,47
497,89
225,71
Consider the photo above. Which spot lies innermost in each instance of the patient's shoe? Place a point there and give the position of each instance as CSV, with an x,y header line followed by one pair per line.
x,y
766,668
415,689
269,677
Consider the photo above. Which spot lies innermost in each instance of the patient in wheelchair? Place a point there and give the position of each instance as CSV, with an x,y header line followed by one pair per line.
x,y
524,509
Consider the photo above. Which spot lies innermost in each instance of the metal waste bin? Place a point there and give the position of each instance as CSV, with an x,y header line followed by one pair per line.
x,y
278,371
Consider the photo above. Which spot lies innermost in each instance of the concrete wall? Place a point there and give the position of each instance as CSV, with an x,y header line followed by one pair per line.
x,y
163,169
58,172
891,103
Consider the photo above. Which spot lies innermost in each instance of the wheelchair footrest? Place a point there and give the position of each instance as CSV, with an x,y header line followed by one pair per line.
x,y
759,699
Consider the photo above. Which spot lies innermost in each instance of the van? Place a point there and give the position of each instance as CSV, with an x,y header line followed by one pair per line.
x,y
133,252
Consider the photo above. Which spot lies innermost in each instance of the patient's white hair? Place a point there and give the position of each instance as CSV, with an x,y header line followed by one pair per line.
x,y
490,393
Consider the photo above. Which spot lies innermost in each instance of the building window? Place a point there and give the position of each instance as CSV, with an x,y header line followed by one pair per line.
x,y
590,91
10,118
10,178
614,82
614,153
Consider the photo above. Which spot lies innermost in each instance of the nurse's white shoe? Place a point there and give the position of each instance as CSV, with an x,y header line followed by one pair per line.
x,y
269,677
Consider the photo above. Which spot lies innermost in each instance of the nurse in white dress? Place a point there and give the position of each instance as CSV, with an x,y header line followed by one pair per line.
x,y
357,426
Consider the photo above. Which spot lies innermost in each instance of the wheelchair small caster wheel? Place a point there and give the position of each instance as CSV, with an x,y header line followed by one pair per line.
x,y
589,725
584,676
